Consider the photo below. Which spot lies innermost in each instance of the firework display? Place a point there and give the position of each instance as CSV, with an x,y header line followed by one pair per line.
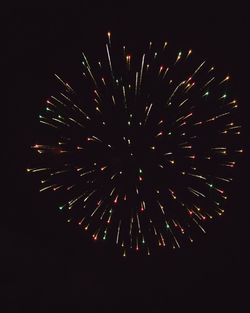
x,y
144,158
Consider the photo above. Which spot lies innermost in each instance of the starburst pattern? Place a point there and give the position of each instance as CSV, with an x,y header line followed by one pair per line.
x,y
144,158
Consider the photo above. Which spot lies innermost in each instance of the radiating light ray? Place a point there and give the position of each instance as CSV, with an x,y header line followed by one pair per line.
x,y
47,187
118,232
196,192
49,124
109,60
148,112
88,69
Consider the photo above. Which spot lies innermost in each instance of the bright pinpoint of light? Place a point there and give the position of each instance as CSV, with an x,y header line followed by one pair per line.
x,y
109,36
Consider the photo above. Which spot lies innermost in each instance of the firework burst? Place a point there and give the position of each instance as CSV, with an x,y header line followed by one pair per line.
x,y
144,158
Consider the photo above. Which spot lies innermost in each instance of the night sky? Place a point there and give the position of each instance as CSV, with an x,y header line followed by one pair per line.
x,y
51,266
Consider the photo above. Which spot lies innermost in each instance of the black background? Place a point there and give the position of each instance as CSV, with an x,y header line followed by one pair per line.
x,y
50,266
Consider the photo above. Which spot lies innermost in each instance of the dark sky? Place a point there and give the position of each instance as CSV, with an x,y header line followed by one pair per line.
x,y
50,266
